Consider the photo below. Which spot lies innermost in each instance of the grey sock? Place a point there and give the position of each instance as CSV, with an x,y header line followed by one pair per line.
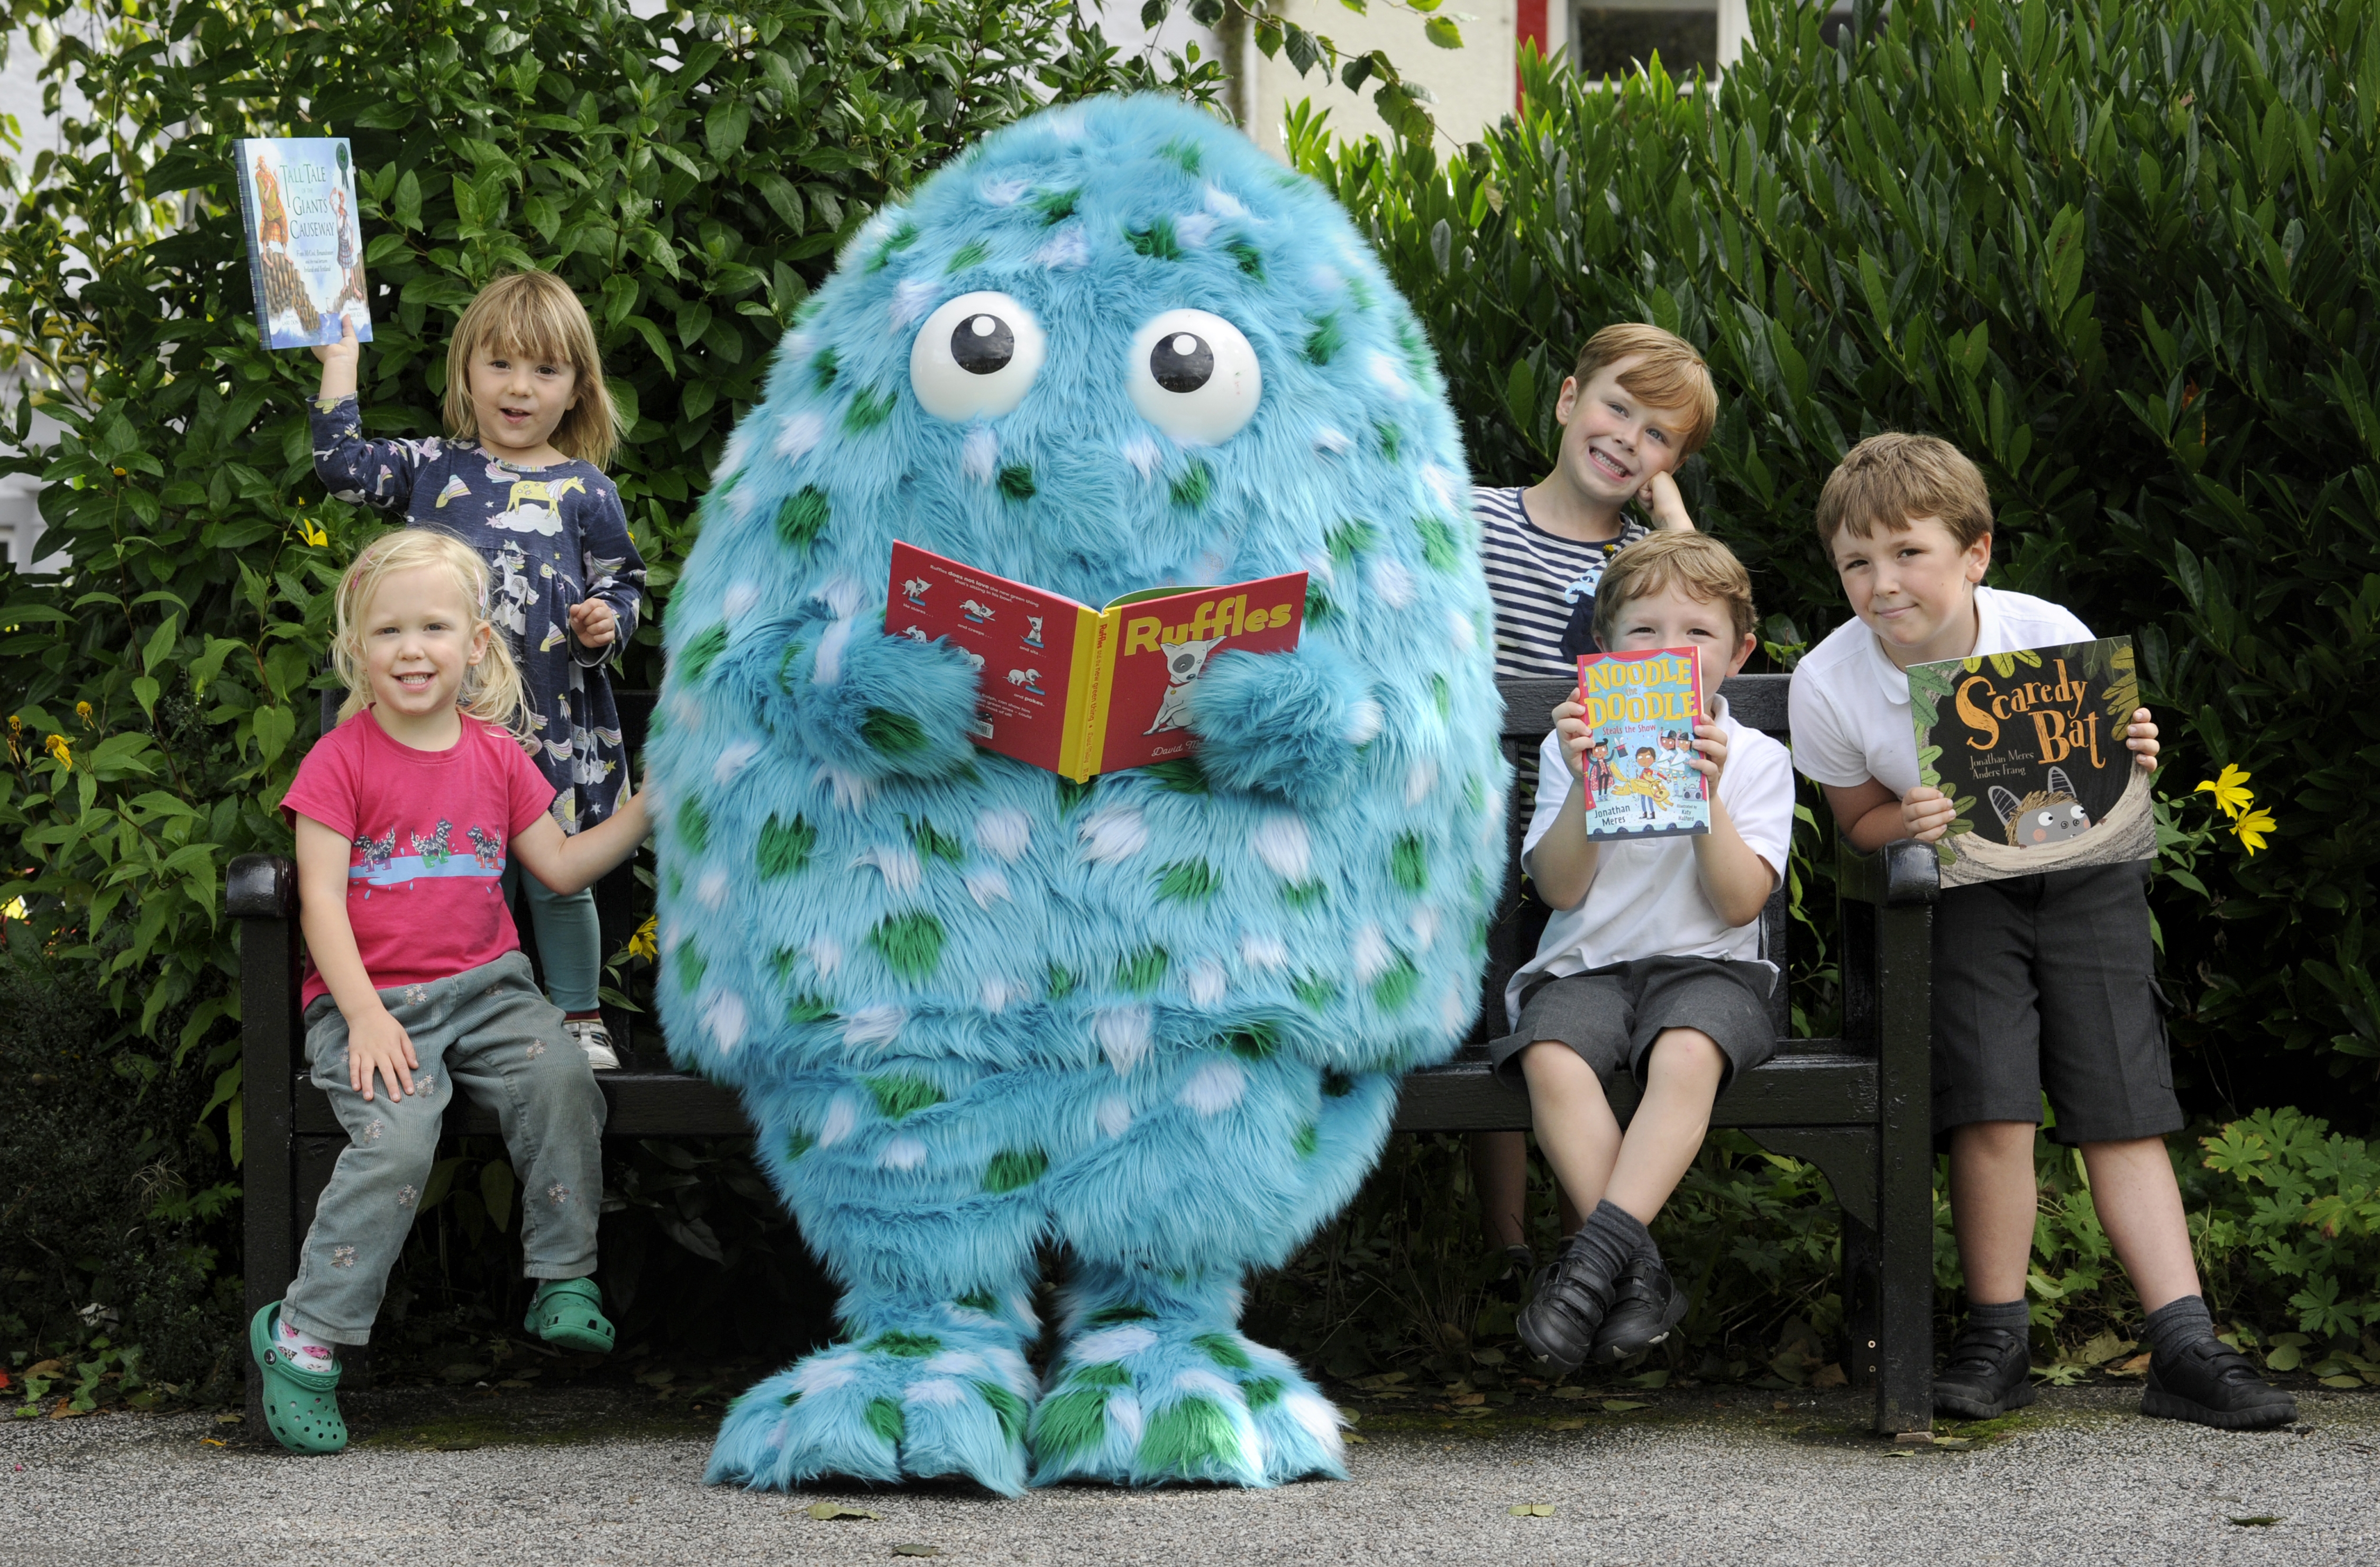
x,y
2176,1324
1611,1235
2012,1315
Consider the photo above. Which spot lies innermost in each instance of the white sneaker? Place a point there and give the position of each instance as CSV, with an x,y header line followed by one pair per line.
x,y
595,1040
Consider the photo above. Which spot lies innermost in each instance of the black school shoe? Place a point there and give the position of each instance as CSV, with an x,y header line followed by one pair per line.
x,y
1572,1297
2212,1384
1990,1372
1645,1303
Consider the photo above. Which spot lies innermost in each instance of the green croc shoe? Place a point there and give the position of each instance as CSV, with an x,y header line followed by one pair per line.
x,y
568,1312
299,1405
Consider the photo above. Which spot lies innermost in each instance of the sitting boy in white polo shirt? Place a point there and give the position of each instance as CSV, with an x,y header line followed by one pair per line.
x,y
2039,982
1651,963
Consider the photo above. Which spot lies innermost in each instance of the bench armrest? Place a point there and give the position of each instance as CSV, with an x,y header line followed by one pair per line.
x,y
261,887
1897,876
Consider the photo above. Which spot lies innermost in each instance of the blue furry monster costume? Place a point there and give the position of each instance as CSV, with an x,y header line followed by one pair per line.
x,y
976,1012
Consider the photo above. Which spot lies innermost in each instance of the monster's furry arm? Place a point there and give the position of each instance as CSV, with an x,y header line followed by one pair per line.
x,y
877,706
1283,724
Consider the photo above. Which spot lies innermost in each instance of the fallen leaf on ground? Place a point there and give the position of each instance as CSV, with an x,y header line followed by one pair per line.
x,y
1954,1443
1354,1437
1463,1400
46,1369
1902,1452
1566,1426
2258,1520
916,1551
65,1411
2342,1381
212,1442
1531,1510
229,1419
1570,1392
2138,1365
825,1511
1657,1378
1623,1406
1780,1405
1831,1376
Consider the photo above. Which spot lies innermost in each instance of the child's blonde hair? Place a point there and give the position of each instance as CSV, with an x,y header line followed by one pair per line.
x,y
535,315
492,688
1706,569
1891,480
1668,373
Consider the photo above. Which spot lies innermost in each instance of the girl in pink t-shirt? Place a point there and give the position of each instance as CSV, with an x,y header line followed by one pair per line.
x,y
405,814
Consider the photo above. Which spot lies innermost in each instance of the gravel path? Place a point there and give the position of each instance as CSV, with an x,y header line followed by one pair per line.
x,y
1711,1476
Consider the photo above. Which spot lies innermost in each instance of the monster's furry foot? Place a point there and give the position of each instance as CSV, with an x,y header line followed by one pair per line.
x,y
946,1394
1146,1395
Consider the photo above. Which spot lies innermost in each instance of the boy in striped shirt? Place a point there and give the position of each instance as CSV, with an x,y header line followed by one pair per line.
x,y
1639,402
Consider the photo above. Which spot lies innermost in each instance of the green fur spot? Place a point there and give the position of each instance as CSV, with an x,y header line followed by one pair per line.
x,y
1116,1315
970,254
902,1094
703,651
793,650
1262,1393
693,826
977,1300
1062,982
802,518
1337,1084
1409,863
1359,289
1183,775
911,945
1195,487
884,1419
1308,1139
790,1400
1319,610
1188,882
1155,241
1106,1374
785,847
807,1009
1442,695
1016,481
1140,972
1071,1422
868,410
1194,1437
899,240
893,733
1392,991
1474,794
799,1142
1391,439
1254,1042
824,366
934,844
1012,1168
1325,341
908,1346
1072,794
1317,990
1439,546
1349,540
1056,206
1182,155
1008,1406
1225,1350
1251,259
691,967
1302,894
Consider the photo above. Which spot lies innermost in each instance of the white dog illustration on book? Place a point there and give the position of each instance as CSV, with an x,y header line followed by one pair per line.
x,y
1184,662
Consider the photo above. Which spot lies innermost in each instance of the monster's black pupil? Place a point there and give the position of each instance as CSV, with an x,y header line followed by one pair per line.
x,y
982,344
1181,362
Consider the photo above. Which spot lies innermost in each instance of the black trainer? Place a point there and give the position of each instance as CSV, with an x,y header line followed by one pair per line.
x,y
1645,1303
2212,1384
1572,1295
1990,1372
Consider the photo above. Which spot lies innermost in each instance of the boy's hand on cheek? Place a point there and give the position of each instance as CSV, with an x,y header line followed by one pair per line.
x,y
1661,498
381,1044
2142,738
1925,813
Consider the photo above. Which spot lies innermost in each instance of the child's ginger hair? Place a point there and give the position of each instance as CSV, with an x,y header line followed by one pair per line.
x,y
1699,563
1668,373
492,688
534,314
1889,481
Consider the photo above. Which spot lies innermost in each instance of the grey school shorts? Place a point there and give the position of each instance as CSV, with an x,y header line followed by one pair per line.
x,y
1611,1015
2047,982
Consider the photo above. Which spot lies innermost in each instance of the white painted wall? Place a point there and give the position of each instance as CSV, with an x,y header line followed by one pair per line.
x,y
1472,84
20,516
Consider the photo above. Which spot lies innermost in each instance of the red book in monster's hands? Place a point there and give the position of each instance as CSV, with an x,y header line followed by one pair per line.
x,y
1078,691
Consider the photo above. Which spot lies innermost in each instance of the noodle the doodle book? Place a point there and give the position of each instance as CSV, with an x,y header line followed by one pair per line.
x,y
2029,747
305,239
1083,691
1640,707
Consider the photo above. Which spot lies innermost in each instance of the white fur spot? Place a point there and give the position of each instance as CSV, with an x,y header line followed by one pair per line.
x,y
1335,442
852,791
979,455
1198,1383
795,346
711,890
904,1152
998,992
1115,1116
1113,834
938,1392
1372,954
1215,1088
842,594
672,936
1326,279
739,599
1205,982
987,887
1393,581
1451,1010
732,758
1281,842
1319,1415
1363,724
732,458
1112,1344
1420,779
1065,249
1460,632
1393,381
1122,1033
828,668
1441,484
879,1024
824,1375
1263,950
1141,452
724,1016
1005,193
1423,925
897,863
1195,229
686,713
958,1362
911,300
842,1116
742,503
825,954
1004,832
1124,1409
1222,203
1317,563
800,432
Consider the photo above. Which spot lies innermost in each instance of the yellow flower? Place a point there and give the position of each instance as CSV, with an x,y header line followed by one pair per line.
x,y
13,909
312,534
2230,791
646,942
83,711
64,752
2250,829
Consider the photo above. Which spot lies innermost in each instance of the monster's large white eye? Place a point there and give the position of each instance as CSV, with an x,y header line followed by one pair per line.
x,y
976,358
1193,376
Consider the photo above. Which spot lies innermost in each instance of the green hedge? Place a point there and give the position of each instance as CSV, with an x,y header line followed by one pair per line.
x,y
2123,255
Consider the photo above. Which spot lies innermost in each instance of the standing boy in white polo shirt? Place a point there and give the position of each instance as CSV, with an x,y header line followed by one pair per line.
x,y
2040,982
1651,963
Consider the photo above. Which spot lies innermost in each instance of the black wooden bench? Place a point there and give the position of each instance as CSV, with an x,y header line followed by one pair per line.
x,y
1857,1107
